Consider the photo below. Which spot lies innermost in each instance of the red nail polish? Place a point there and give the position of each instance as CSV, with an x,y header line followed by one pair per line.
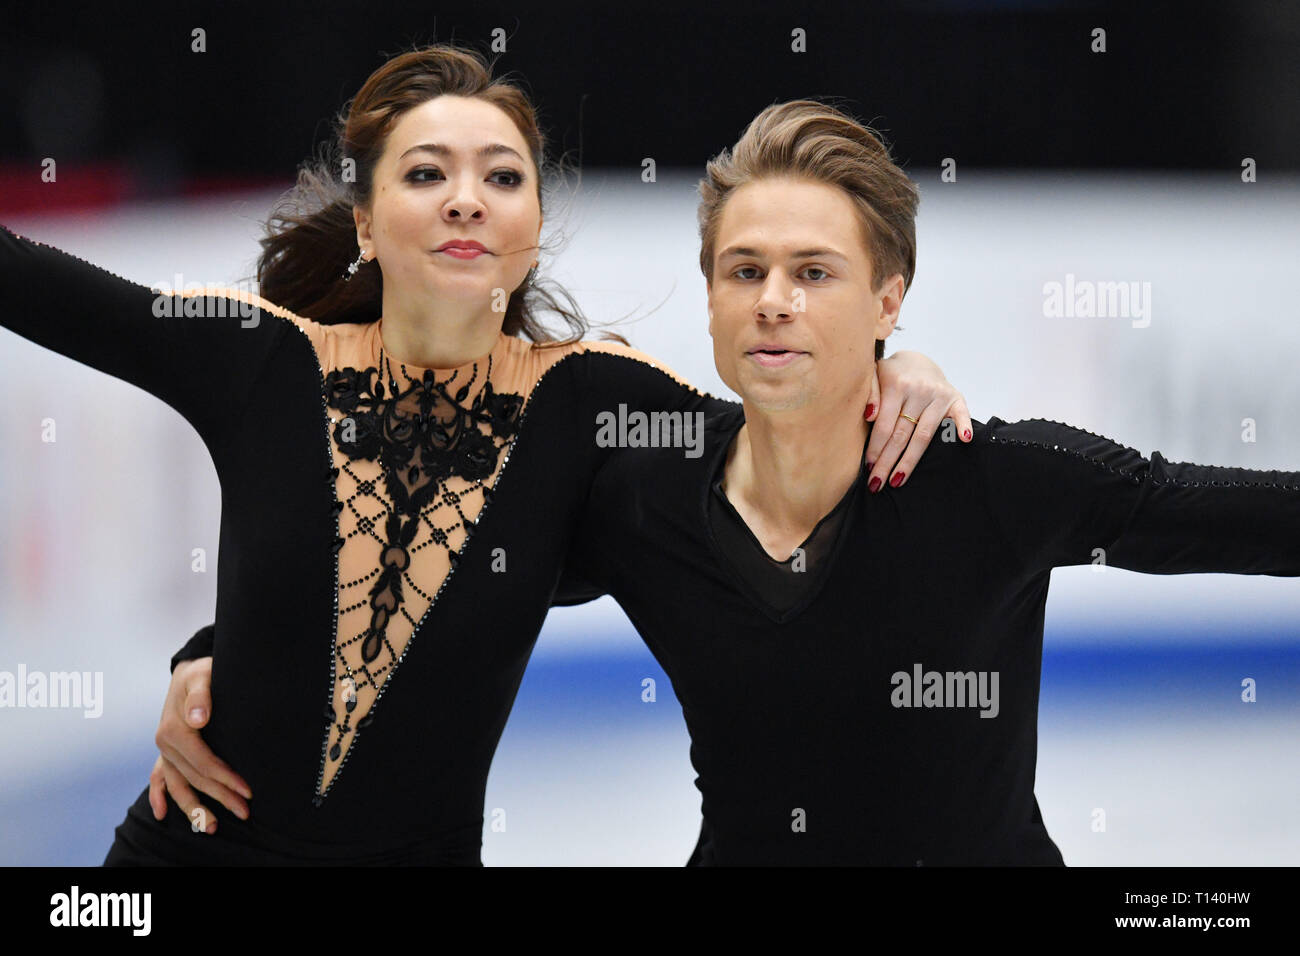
x,y
871,407
966,434
897,479
875,485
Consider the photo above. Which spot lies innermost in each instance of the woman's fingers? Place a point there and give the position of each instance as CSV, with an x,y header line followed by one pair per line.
x,y
882,428
889,437
923,432
960,416
873,400
200,817
886,466
911,384
898,451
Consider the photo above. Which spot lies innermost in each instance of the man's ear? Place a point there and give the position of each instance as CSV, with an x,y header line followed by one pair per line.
x,y
708,289
891,304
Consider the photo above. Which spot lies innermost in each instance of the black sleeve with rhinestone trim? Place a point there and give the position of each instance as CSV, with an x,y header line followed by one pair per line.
x,y
1064,496
196,353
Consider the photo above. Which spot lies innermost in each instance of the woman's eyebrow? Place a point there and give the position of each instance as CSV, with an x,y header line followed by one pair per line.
x,y
492,149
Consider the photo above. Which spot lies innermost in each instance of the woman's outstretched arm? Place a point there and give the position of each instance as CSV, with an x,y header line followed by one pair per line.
x,y
1064,496
198,353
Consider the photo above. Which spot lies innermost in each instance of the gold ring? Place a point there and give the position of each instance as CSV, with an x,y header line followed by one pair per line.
x,y
909,418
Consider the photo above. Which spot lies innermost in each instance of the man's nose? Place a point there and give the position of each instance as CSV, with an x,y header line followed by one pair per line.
x,y
774,304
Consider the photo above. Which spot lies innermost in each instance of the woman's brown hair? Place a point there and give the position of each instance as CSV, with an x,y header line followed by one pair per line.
x,y
311,235
812,140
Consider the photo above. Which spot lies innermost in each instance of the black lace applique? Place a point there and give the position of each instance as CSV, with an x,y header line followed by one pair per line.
x,y
421,435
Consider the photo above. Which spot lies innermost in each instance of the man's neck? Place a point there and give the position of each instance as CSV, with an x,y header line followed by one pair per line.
x,y
787,470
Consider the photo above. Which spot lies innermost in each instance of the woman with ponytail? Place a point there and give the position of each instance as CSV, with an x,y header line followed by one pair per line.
x,y
403,454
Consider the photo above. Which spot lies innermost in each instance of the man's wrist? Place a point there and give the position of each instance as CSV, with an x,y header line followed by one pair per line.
x,y
200,645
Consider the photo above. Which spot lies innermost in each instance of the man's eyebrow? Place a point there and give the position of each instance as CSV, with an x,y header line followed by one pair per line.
x,y
493,149
799,254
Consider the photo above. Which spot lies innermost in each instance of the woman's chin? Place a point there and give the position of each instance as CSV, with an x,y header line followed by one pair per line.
x,y
471,290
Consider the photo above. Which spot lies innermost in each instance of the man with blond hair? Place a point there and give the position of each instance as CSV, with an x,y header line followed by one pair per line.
x,y
859,672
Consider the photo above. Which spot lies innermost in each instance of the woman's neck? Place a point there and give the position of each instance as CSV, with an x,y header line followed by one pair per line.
x,y
442,340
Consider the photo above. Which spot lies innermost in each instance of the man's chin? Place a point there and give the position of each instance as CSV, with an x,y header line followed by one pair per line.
x,y
774,398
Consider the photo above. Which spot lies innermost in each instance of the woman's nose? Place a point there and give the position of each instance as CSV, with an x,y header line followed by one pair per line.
x,y
463,209
464,206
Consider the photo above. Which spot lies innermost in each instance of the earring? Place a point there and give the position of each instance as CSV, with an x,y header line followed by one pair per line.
x,y
355,265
